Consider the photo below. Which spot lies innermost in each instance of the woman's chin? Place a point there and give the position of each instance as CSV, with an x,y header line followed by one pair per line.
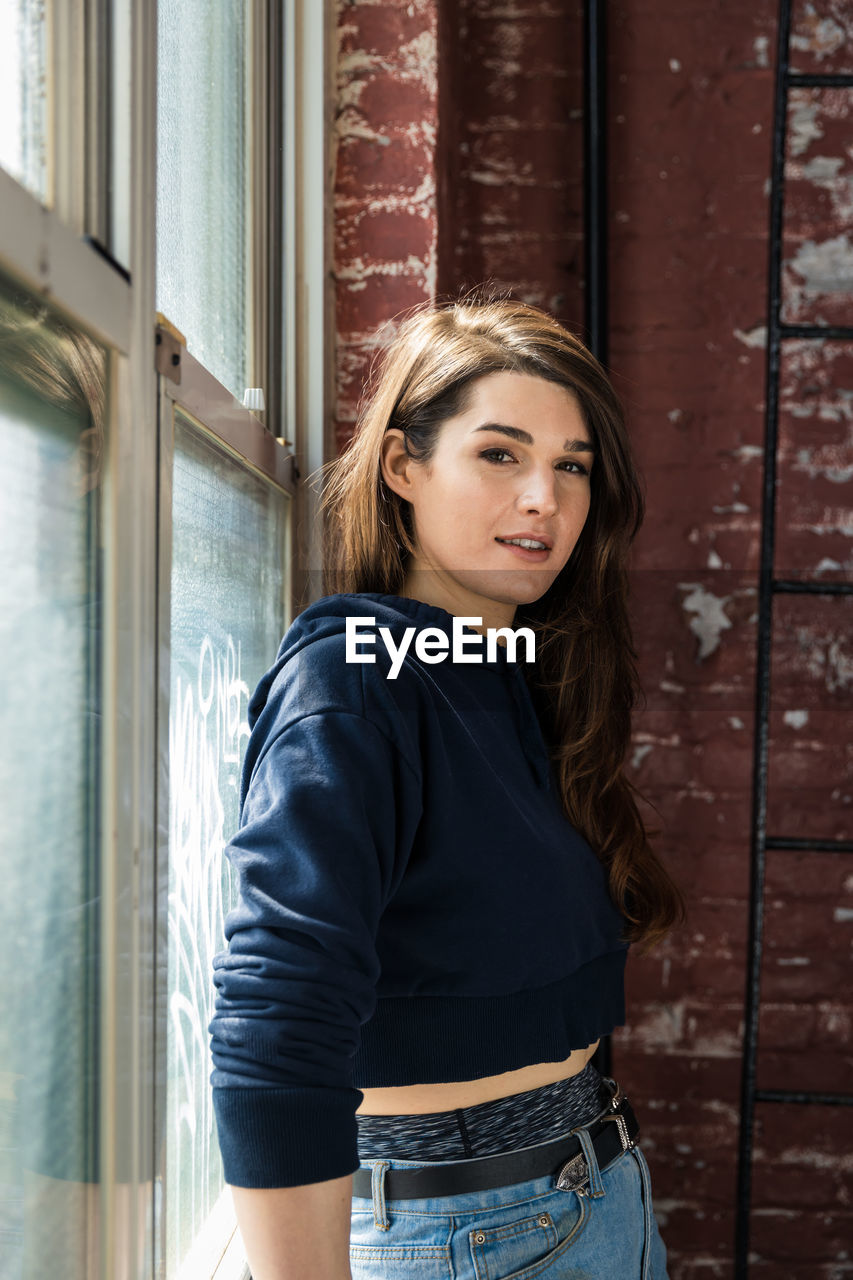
x,y
517,587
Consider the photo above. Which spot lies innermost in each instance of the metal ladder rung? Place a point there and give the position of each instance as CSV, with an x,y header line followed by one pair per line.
x,y
815,80
799,844
777,333
810,587
818,332
792,1095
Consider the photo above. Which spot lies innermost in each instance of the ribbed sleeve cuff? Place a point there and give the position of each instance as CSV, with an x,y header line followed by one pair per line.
x,y
285,1137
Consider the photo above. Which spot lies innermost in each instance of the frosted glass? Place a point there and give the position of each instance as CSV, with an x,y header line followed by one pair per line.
x,y
227,619
202,181
23,93
51,393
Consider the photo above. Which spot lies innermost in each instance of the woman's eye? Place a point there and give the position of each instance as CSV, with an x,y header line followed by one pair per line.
x,y
497,456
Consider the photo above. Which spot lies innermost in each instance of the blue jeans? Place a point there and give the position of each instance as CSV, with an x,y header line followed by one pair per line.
x,y
606,1230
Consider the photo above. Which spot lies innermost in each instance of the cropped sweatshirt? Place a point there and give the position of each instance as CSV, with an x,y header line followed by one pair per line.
x,y
413,905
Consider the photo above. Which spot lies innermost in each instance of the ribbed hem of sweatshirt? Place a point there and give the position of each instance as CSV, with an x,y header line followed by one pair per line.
x,y
425,1039
285,1137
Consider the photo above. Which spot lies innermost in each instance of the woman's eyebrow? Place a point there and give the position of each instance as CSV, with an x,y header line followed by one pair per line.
x,y
524,437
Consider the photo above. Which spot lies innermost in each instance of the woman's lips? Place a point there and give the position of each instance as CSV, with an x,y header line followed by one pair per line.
x,y
525,552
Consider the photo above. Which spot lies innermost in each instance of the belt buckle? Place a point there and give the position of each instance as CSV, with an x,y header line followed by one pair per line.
x,y
627,1142
573,1175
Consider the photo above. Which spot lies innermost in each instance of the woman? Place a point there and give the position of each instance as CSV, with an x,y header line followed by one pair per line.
x,y
441,862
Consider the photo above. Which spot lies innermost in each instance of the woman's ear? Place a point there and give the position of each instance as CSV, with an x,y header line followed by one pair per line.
x,y
396,464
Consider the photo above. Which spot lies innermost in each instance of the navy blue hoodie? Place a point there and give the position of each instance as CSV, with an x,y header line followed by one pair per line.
x,y
414,906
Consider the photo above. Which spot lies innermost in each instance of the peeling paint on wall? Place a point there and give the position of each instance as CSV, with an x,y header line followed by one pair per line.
x,y
796,719
803,124
709,619
755,337
821,35
822,170
823,267
827,660
812,466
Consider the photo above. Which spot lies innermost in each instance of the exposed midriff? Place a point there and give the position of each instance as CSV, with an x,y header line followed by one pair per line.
x,y
418,1099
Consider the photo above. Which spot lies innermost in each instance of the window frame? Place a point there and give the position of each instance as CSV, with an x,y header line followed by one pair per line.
x,y
215,413
45,256
60,250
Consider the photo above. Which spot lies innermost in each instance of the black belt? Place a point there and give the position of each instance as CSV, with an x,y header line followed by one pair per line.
x,y
613,1131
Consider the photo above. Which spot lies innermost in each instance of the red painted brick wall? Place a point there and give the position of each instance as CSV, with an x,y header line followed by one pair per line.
x,y
459,160
385,179
514,207
688,268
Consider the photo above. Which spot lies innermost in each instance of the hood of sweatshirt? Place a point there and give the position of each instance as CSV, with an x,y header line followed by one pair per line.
x,y
328,616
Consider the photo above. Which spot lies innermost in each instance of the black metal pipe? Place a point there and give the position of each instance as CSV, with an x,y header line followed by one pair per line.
x,y
595,238
765,619
595,176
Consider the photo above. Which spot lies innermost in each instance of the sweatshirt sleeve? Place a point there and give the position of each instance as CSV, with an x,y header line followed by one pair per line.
x,y
325,831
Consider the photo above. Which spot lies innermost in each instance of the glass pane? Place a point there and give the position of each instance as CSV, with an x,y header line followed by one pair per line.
x,y
203,181
52,383
23,93
229,558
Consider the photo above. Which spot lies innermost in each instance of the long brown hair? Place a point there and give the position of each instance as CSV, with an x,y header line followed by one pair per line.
x,y
584,682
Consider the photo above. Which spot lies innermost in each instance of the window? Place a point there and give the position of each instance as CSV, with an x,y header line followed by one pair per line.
x,y
204,148
227,546
52,394
23,93
147,567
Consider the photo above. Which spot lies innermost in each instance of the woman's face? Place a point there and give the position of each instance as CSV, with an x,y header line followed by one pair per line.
x,y
516,464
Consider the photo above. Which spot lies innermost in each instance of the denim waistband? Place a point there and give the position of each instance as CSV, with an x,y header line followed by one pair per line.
x,y
488,1128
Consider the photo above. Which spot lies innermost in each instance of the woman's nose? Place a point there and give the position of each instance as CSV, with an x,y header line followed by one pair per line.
x,y
540,493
